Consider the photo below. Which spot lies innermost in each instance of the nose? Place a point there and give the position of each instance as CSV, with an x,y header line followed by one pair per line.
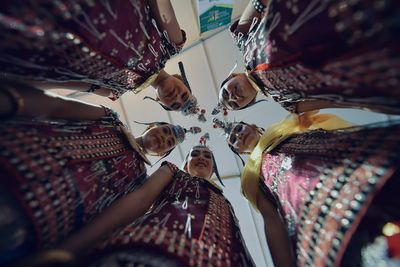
x,y
160,137
232,95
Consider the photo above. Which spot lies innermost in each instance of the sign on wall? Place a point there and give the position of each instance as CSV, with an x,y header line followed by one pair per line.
x,y
214,13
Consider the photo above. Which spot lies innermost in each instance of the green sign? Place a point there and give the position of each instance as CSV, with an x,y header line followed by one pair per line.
x,y
214,13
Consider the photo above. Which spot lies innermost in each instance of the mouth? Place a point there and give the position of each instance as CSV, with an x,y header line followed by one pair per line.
x,y
201,164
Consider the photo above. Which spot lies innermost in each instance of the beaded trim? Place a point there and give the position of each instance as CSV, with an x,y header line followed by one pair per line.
x,y
191,221
258,6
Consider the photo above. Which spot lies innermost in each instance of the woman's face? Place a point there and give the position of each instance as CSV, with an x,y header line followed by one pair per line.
x,y
244,138
237,92
159,139
173,93
200,162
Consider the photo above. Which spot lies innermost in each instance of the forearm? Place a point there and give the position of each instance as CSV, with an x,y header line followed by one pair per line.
x,y
38,103
119,214
311,105
276,234
76,86
164,15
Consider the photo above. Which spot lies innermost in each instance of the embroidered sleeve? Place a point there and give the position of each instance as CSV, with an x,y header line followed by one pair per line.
x,y
173,48
238,37
111,116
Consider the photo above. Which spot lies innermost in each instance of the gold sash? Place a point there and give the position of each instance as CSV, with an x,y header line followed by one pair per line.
x,y
277,133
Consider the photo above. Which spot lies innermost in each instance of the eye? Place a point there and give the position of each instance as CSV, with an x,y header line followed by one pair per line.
x,y
165,130
239,128
171,142
175,106
207,155
233,105
195,153
185,96
232,139
168,130
225,94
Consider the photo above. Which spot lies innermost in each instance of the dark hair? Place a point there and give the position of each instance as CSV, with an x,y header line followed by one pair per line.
x,y
226,80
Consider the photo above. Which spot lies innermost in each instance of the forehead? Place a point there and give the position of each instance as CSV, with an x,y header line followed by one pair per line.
x,y
178,83
157,126
201,149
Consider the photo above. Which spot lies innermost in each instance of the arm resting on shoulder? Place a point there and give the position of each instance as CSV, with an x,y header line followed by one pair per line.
x,y
276,234
76,86
164,15
310,105
39,103
120,213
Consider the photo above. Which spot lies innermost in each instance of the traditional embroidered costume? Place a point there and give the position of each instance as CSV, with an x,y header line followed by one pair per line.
x,y
345,52
111,44
331,187
190,224
59,174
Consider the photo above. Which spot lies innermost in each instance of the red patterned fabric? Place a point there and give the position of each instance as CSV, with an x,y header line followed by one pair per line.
x,y
190,222
64,173
324,183
114,44
342,51
394,242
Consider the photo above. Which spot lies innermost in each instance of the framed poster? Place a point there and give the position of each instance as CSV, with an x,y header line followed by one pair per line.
x,y
214,13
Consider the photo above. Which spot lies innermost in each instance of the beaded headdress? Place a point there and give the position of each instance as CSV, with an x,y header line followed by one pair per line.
x,y
191,107
226,126
180,132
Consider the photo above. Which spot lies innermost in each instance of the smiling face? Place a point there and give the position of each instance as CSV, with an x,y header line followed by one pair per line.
x,y
237,92
200,162
159,140
244,138
173,93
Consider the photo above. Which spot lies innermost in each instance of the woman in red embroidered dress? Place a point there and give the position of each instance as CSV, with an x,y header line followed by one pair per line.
x,y
332,190
56,174
106,47
190,224
310,55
